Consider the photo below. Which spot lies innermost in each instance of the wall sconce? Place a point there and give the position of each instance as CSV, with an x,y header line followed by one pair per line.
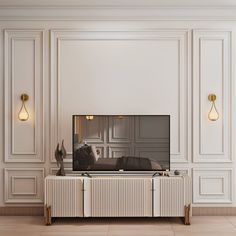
x,y
213,114
89,117
23,114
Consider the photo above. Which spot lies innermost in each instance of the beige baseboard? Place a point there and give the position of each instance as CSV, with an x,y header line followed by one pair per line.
x,y
21,211
214,211
38,211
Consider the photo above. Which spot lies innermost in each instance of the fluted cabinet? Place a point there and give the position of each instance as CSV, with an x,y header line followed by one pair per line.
x,y
121,196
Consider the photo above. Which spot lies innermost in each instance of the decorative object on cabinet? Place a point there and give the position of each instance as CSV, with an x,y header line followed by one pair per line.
x,y
60,154
213,114
177,172
23,114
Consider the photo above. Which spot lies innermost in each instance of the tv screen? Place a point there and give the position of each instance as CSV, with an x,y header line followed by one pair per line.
x,y
121,142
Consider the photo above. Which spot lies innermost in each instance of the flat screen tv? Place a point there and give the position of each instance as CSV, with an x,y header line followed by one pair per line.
x,y
121,142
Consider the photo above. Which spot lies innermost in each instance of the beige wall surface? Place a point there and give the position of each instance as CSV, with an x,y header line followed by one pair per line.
x,y
95,60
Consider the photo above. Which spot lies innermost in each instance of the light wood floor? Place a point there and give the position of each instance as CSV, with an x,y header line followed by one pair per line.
x,y
201,226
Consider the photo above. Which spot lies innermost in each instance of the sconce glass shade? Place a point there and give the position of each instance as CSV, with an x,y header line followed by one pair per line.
x,y
89,117
213,114
23,114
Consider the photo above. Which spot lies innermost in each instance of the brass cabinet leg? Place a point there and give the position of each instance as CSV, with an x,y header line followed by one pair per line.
x,y
187,214
47,215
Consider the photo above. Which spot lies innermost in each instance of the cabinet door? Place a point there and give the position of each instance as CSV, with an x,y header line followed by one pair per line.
x,y
135,197
120,197
169,193
104,197
212,62
65,196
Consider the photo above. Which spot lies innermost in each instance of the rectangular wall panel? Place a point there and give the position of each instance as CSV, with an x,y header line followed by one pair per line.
x,y
24,185
24,140
107,86
212,185
212,75
18,184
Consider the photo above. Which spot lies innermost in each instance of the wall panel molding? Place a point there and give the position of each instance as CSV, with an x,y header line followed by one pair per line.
x,y
13,185
180,151
212,185
24,141
17,178
212,67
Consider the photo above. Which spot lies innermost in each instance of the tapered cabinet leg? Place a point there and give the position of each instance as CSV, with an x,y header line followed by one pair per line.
x,y
47,215
187,216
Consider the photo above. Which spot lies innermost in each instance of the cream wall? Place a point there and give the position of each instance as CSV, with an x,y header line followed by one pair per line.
x,y
116,64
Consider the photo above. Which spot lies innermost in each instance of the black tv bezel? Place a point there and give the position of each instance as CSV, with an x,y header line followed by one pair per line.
x,y
114,171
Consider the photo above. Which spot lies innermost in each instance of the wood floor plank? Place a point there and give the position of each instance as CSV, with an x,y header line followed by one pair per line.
x,y
201,226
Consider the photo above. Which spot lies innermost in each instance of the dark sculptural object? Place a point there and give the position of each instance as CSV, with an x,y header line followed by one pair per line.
x,y
60,154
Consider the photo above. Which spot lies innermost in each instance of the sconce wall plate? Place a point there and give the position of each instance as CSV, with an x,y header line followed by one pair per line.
x,y
211,97
24,97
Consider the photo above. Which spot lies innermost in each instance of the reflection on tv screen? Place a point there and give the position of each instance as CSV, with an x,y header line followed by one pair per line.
x,y
121,142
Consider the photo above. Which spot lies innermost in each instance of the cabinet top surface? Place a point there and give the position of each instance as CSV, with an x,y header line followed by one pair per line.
x,y
112,177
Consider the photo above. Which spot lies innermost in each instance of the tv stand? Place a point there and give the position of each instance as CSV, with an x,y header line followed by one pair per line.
x,y
118,196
